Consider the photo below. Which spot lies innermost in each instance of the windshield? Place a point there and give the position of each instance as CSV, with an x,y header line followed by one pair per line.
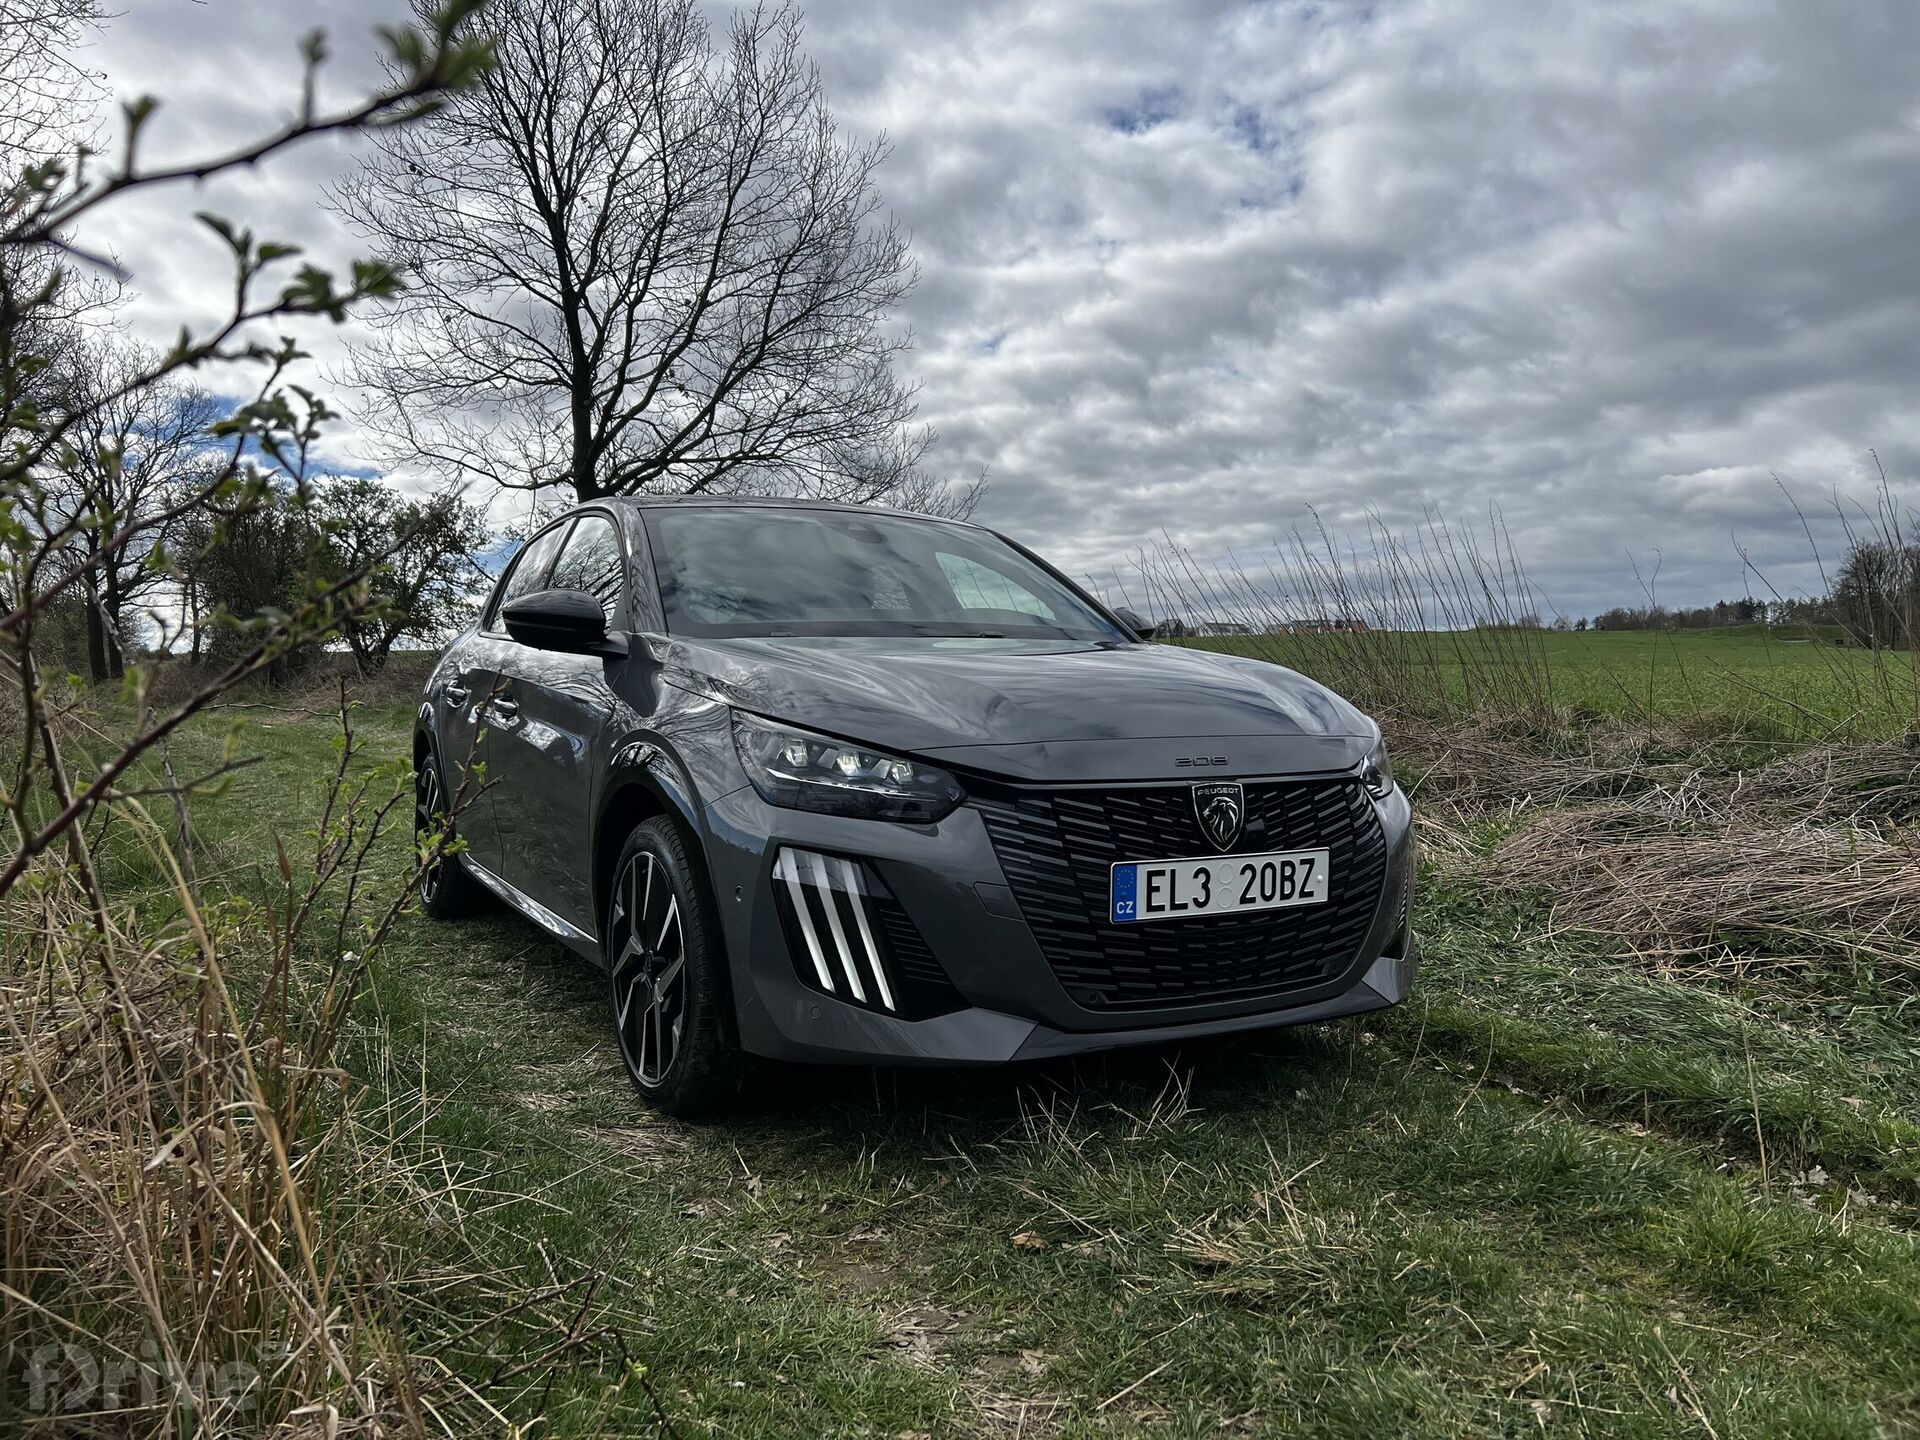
x,y
751,571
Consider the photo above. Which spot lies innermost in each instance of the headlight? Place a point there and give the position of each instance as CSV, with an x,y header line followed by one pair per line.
x,y
803,771
1377,773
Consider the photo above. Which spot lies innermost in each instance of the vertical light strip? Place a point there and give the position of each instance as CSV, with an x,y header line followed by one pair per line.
x,y
790,872
856,892
823,877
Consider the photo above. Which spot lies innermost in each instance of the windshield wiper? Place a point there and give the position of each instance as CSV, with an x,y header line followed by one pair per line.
x,y
937,630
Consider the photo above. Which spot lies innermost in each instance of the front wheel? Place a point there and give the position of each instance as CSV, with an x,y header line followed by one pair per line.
x,y
446,889
669,979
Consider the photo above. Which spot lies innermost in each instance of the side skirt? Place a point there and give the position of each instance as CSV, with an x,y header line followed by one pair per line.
x,y
555,925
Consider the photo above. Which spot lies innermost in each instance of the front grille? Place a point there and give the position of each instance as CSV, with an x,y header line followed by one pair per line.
x,y
1056,847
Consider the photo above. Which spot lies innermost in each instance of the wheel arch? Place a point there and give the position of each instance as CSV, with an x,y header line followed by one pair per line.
x,y
644,783
424,742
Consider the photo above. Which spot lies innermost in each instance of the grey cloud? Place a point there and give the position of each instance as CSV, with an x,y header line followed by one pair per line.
x,y
1609,268
1194,268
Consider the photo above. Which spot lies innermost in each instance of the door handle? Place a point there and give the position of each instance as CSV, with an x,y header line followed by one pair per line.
x,y
457,694
506,709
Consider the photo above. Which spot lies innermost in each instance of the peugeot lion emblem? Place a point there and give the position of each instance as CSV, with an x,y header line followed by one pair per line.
x,y
1220,809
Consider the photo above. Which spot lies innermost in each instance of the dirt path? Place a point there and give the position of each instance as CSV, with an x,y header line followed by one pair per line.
x,y
1333,1231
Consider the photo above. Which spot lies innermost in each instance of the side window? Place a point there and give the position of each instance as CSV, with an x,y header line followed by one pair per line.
x,y
591,561
529,570
978,587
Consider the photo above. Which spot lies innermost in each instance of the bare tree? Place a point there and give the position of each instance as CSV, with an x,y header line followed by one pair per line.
x,y
45,89
136,452
1876,593
640,261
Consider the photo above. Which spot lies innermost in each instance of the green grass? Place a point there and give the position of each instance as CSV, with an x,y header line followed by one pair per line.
x,y
1555,1191
1793,684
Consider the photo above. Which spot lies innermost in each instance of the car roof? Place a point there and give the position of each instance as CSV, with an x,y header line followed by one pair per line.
x,y
765,502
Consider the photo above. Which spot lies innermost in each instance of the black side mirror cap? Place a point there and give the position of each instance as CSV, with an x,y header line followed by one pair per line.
x,y
1132,620
570,621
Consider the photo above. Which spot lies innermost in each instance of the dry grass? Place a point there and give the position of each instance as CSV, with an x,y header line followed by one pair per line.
x,y
193,1207
1488,766
1810,850
1879,783
1286,1249
1436,619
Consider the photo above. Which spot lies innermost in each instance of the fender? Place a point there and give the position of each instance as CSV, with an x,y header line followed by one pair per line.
x,y
646,767
646,764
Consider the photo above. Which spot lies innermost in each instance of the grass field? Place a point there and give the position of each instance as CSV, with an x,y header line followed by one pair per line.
x,y
1795,685
1575,1186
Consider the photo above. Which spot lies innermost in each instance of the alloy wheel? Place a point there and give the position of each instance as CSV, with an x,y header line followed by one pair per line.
x,y
426,807
649,968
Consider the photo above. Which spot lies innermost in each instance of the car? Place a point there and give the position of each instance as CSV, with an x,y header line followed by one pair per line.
x,y
833,783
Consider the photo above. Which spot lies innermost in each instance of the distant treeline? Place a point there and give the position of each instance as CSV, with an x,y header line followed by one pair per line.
x,y
1746,611
1874,600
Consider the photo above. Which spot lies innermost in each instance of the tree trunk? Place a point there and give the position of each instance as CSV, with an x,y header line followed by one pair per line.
x,y
192,616
110,623
586,484
97,670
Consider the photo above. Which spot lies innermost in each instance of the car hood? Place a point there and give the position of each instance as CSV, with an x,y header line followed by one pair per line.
x,y
1036,709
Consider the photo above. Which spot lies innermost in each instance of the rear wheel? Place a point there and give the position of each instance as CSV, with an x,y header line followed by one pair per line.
x,y
446,889
669,979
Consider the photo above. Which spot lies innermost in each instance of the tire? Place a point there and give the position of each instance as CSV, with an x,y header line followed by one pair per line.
x,y
447,891
668,979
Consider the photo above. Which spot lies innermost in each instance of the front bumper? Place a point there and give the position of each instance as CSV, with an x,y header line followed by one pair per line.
x,y
948,880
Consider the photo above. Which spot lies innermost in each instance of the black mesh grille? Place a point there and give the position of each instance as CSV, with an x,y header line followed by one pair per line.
x,y
925,990
1055,848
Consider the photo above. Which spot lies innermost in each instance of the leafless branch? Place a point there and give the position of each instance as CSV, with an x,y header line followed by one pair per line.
x,y
644,259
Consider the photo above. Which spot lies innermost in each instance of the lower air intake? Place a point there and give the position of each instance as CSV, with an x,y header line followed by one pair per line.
x,y
852,940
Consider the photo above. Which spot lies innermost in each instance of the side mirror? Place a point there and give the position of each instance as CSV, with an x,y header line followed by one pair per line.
x,y
1131,619
570,621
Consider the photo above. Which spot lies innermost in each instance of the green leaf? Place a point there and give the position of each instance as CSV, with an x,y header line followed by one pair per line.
x,y
452,15
405,46
238,241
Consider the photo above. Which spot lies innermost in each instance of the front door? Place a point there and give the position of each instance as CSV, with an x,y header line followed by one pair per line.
x,y
486,694
543,808
466,679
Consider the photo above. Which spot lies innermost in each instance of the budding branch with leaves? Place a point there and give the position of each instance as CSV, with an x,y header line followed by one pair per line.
x,y
40,262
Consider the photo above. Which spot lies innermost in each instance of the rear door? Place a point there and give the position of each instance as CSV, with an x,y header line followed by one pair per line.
x,y
543,809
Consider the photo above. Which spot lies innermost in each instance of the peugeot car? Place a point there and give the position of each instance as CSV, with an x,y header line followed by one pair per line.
x,y
813,782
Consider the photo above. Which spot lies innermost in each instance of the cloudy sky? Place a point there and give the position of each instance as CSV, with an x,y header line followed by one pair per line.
x,y
1616,269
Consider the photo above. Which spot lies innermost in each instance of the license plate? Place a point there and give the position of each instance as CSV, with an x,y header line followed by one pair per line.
x,y
1222,885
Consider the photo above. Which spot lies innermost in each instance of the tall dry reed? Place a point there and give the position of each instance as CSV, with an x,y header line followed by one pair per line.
x,y
190,1198
1438,622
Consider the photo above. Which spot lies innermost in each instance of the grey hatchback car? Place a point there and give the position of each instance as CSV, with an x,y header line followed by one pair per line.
x,y
832,783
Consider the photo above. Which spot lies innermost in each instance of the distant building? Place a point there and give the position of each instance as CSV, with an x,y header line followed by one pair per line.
x,y
1322,625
